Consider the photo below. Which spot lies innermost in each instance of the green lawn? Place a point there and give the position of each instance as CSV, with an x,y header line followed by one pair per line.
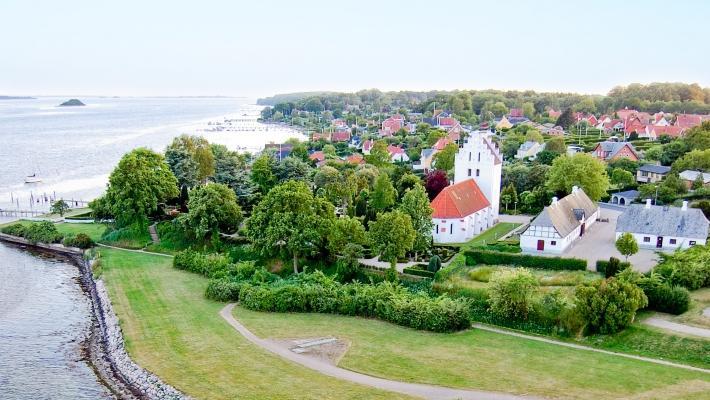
x,y
94,230
491,235
479,359
171,329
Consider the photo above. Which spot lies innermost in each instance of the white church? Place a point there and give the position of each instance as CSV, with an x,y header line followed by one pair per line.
x,y
470,205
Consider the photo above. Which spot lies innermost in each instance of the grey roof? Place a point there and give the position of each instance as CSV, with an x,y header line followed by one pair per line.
x,y
656,169
427,152
614,147
527,145
565,215
690,175
628,194
664,221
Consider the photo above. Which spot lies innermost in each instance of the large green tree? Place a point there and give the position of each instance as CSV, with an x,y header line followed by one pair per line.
x,y
384,194
446,158
415,203
212,209
140,182
199,150
392,235
346,230
291,221
262,172
581,170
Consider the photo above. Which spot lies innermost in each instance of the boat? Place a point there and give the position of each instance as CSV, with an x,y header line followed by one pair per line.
x,y
33,178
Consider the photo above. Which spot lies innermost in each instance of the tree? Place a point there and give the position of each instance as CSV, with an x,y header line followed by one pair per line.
x,y
329,151
262,172
212,209
581,170
415,203
673,151
509,195
291,168
557,145
383,193
434,263
698,137
140,182
349,264
622,178
59,207
565,119
533,135
529,109
546,157
406,182
445,159
698,183
653,153
183,165
627,245
346,230
511,293
435,182
199,150
609,305
392,235
696,160
290,220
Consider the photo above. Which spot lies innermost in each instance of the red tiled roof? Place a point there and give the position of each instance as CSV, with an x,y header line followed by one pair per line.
x,y
355,158
688,120
447,121
459,200
673,131
317,155
340,136
368,145
441,143
516,112
395,150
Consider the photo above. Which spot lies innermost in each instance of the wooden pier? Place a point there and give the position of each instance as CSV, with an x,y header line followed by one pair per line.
x,y
20,213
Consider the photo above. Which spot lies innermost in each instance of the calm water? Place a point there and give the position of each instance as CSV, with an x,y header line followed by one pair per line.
x,y
74,149
44,316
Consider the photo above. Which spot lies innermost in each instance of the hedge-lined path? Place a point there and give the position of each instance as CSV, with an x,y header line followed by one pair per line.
x,y
154,233
133,250
587,348
413,389
658,322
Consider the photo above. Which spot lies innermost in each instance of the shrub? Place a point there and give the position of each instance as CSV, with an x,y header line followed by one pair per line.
x,y
688,268
511,293
434,264
81,240
42,232
664,297
610,305
210,265
603,266
224,290
481,274
14,230
475,256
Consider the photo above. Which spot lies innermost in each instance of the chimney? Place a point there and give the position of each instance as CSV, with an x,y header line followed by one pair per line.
x,y
685,205
648,204
554,201
575,189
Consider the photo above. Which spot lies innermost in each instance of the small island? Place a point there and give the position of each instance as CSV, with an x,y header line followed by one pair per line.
x,y
72,103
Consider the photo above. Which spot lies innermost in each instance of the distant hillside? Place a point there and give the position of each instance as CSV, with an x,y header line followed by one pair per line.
x,y
72,103
286,97
16,98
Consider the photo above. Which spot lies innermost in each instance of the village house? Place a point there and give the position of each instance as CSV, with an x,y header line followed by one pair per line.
x,y
609,151
280,150
367,146
426,158
624,198
554,114
397,154
663,227
653,132
503,124
560,223
470,205
651,173
317,156
689,177
529,150
391,125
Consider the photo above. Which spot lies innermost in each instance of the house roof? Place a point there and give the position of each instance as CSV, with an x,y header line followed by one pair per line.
x,y
656,169
426,153
690,175
615,147
367,144
628,194
393,150
317,155
441,143
564,214
528,145
459,200
663,221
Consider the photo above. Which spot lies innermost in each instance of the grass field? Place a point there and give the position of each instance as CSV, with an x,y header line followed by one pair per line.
x,y
171,329
482,360
490,236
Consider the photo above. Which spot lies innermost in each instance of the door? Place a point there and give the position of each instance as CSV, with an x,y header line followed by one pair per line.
x,y
659,242
541,245
581,231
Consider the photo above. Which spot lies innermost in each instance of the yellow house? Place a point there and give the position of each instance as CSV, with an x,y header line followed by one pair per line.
x,y
504,123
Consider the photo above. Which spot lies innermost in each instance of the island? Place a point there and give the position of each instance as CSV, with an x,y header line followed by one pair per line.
x,y
72,103
16,98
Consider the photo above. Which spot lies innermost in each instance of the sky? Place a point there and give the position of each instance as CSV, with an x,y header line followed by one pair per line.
x,y
259,48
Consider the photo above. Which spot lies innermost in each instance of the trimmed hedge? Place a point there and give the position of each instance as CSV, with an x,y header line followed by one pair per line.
x,y
476,256
602,264
418,271
666,298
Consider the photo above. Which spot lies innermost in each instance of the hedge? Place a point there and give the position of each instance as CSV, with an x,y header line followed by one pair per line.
x,y
602,264
418,271
81,240
40,232
476,256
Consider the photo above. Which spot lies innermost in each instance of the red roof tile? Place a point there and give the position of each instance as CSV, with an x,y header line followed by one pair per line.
x,y
459,200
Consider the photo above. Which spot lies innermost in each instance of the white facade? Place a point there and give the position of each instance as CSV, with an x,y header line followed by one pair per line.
x,y
479,158
552,242
647,241
459,230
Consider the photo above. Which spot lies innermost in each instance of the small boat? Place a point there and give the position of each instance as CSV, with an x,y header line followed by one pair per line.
x,y
33,178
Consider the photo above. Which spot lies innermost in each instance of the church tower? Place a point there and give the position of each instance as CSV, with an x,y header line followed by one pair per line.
x,y
479,158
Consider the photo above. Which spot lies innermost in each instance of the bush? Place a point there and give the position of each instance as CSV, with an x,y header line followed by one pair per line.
x,y
40,232
511,293
475,256
210,265
81,240
434,264
481,274
688,268
223,290
612,267
664,297
610,305
14,230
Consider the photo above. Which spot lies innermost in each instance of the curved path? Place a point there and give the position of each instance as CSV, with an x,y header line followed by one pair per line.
x,y
108,246
412,389
676,327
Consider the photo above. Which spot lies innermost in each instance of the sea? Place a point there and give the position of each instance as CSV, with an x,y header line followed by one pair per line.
x,y
44,314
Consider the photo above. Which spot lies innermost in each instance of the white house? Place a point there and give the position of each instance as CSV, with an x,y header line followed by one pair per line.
x,y
529,149
470,205
560,223
663,227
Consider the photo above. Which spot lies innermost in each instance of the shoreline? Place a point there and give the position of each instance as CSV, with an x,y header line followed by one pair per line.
x,y
103,348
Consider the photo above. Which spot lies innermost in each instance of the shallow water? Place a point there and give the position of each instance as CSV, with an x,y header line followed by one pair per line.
x,y
44,316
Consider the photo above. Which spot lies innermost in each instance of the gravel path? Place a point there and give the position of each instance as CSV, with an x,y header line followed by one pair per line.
x,y
676,327
413,389
134,251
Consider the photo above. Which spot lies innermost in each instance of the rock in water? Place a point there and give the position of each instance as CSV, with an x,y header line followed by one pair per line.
x,y
71,103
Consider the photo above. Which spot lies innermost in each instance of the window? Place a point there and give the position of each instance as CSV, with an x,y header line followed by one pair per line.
x,y
437,229
553,242
478,172
692,242
646,239
451,229
479,156
469,156
469,172
671,241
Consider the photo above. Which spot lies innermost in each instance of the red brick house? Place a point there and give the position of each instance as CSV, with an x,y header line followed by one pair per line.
x,y
609,151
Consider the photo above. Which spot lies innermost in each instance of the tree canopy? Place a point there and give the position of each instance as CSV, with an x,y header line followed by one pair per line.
x,y
212,209
392,235
581,170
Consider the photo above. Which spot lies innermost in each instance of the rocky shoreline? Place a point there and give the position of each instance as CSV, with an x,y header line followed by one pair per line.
x,y
104,346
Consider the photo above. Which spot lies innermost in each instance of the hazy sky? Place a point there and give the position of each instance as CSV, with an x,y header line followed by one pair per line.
x,y
258,48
